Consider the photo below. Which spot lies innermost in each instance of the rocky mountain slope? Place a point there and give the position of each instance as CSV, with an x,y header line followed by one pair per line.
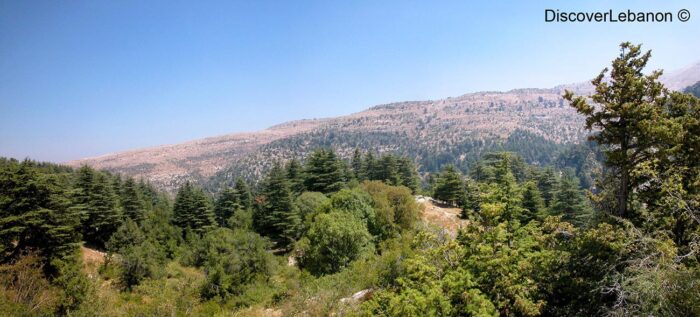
x,y
451,130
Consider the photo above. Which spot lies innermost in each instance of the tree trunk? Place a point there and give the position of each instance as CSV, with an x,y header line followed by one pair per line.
x,y
622,208
625,170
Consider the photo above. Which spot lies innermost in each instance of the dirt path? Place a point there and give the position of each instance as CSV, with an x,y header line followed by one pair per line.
x,y
92,260
91,256
440,215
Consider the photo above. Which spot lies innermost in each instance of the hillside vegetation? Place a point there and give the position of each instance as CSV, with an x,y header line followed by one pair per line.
x,y
609,227
535,123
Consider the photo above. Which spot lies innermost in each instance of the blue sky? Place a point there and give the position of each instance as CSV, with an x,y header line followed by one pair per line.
x,y
84,78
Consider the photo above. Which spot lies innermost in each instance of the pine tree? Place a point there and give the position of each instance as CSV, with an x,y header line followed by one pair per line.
x,y
547,182
133,205
471,199
204,219
192,209
279,219
481,173
625,108
103,217
532,203
80,195
324,172
243,194
356,164
182,215
501,161
150,195
295,176
128,234
408,174
671,192
449,186
227,205
34,214
389,170
508,193
369,167
570,202
117,186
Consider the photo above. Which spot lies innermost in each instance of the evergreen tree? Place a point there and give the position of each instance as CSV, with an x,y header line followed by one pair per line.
x,y
533,204
324,172
356,164
243,194
80,195
408,174
671,192
547,182
279,220
389,170
471,199
71,278
227,205
625,107
133,205
569,201
103,216
449,186
232,259
193,209
369,167
127,234
150,195
508,193
184,203
139,262
295,176
158,228
481,173
34,214
503,162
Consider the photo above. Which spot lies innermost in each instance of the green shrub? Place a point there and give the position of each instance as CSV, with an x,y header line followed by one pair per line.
x,y
138,262
357,203
334,240
308,204
231,259
395,207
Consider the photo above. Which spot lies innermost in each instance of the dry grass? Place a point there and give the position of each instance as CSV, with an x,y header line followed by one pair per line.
x,y
442,216
92,260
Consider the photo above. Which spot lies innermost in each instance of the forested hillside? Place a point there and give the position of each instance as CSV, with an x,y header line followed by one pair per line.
x,y
607,227
455,130
694,89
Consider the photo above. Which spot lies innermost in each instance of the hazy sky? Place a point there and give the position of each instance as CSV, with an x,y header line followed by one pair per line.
x,y
84,78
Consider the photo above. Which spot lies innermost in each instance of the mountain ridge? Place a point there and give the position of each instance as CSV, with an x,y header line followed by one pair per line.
x,y
472,120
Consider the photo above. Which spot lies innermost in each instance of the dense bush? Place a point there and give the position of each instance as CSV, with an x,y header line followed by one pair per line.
x,y
395,207
334,240
308,204
138,262
357,203
231,259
